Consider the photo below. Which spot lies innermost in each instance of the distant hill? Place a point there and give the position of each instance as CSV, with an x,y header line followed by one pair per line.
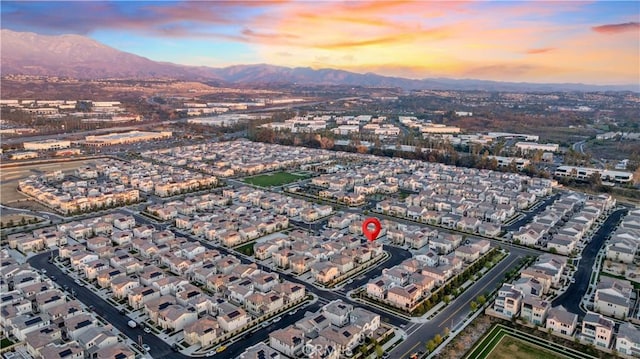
x,y
80,57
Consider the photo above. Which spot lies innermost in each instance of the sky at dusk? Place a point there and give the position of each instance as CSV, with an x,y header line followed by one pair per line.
x,y
542,41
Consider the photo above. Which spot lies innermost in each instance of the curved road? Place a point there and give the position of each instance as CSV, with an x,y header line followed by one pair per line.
x,y
572,297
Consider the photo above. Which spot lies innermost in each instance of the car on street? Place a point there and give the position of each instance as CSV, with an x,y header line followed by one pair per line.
x,y
53,278
221,349
277,319
147,330
146,347
78,282
211,353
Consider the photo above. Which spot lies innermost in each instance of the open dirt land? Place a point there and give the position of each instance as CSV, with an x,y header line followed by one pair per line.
x,y
9,177
512,348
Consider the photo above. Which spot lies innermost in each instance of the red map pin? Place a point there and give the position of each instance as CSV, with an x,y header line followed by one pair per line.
x,y
372,235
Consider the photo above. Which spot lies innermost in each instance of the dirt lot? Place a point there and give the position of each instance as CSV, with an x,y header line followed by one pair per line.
x,y
10,177
613,150
512,348
16,218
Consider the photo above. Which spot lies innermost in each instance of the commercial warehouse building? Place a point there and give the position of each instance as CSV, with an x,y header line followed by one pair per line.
x,y
46,145
125,137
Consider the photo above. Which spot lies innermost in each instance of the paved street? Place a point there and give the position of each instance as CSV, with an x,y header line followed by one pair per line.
x,y
458,309
528,216
571,298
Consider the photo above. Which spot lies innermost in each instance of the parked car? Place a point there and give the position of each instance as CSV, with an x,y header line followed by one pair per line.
x,y
147,330
146,347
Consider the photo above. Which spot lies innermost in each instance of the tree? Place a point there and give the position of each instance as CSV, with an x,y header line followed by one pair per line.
x,y
474,306
437,339
431,345
379,351
481,299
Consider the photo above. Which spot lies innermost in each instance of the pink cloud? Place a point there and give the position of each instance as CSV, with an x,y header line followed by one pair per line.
x,y
617,28
540,50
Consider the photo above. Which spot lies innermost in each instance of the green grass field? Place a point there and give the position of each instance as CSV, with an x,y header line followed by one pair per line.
x,y
5,343
274,179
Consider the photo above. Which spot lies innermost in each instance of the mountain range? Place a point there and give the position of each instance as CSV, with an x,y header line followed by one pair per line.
x,y
84,58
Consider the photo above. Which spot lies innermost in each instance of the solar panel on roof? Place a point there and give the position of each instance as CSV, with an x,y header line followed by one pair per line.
x,y
33,321
234,314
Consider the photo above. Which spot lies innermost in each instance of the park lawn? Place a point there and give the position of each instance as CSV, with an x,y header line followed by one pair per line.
x,y
246,248
274,179
513,348
4,343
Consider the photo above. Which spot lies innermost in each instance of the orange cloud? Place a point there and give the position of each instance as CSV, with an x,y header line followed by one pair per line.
x,y
541,50
617,28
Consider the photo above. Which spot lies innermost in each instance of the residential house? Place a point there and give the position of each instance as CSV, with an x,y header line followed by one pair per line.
x,y
138,296
262,351
597,330
203,331
628,340
119,351
613,297
232,318
622,250
346,339
324,272
69,350
175,317
509,301
534,310
288,341
78,324
562,322
404,297
122,286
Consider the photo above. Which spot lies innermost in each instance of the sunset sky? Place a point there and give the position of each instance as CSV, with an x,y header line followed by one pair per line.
x,y
543,41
